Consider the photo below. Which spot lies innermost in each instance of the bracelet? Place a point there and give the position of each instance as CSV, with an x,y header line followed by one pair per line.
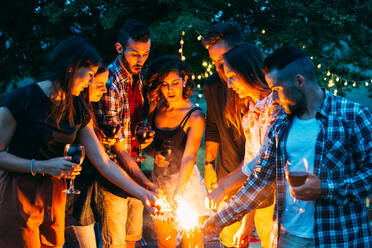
x,y
42,167
32,167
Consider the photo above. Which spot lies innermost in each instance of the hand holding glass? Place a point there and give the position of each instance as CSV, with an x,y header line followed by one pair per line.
x,y
296,176
77,154
142,133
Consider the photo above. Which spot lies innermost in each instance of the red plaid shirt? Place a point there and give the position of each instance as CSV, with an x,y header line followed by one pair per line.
x,y
113,110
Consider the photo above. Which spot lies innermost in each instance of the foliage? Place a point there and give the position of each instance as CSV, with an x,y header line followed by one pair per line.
x,y
337,33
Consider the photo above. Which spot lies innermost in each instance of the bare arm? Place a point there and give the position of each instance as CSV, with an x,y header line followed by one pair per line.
x,y
194,137
234,180
127,162
109,169
9,162
210,175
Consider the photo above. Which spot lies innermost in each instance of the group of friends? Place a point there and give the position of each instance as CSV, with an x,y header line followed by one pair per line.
x,y
263,116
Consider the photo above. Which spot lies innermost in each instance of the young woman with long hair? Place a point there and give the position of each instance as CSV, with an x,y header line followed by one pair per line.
x,y
36,123
250,108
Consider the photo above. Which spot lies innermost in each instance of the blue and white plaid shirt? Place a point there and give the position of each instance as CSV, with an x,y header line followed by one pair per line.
x,y
343,162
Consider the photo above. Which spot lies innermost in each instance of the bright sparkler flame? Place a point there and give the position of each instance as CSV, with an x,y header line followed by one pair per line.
x,y
164,210
186,217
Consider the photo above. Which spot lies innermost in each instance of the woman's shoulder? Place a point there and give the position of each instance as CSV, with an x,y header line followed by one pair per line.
x,y
196,115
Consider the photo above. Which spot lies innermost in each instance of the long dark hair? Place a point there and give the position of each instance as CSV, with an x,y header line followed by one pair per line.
x,y
158,70
65,59
245,60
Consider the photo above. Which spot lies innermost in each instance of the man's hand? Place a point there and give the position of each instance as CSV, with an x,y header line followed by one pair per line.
x,y
309,191
210,177
152,187
211,228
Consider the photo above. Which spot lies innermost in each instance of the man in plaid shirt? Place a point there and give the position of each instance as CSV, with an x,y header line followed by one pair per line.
x,y
333,138
117,114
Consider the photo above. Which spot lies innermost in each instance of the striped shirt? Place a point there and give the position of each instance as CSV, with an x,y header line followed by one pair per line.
x,y
343,162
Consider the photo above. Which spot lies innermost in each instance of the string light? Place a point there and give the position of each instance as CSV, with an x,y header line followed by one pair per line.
x,y
334,81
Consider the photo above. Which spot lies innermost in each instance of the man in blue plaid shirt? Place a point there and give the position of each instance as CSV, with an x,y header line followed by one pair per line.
x,y
332,138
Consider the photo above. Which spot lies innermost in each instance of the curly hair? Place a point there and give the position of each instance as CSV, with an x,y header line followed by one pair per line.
x,y
158,70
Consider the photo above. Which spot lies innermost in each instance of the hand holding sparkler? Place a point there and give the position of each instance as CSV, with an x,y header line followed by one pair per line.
x,y
211,228
149,201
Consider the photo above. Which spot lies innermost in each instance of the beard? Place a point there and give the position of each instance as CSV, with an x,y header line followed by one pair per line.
x,y
300,102
128,67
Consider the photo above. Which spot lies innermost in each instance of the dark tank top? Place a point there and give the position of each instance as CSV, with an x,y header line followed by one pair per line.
x,y
173,140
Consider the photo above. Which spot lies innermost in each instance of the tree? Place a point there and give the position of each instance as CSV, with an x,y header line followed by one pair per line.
x,y
336,33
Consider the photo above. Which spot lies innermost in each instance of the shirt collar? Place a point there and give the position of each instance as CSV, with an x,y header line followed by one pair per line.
x,y
324,109
122,72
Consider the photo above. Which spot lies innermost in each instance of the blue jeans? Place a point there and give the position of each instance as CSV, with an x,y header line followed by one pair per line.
x,y
288,240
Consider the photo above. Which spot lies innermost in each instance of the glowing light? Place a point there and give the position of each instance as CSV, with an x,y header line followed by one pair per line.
x,y
200,37
183,58
197,104
193,77
367,84
311,57
206,74
345,83
335,92
330,83
319,66
325,79
164,210
205,64
199,77
208,69
354,84
183,33
182,42
198,86
200,95
180,50
303,46
186,217
263,31
328,73
337,79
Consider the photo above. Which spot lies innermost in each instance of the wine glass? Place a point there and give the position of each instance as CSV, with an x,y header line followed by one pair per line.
x,y
167,149
296,176
111,131
142,133
77,154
